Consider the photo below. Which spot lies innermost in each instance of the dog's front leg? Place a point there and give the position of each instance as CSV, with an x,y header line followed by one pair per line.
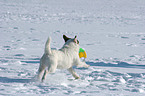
x,y
71,70
83,64
80,63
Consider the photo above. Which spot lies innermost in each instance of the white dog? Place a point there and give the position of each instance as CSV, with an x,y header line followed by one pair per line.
x,y
64,58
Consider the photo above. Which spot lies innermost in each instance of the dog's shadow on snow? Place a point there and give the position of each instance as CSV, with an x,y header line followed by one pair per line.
x,y
13,80
119,64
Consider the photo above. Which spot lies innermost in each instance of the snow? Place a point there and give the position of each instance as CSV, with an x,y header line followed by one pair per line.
x,y
111,32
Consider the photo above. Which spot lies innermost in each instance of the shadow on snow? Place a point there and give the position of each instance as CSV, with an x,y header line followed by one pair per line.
x,y
120,64
12,80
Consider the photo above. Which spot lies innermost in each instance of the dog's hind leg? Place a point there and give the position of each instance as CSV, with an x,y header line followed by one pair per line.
x,y
44,75
71,70
51,69
40,71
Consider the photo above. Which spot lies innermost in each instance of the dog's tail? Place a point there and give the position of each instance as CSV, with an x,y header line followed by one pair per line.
x,y
47,46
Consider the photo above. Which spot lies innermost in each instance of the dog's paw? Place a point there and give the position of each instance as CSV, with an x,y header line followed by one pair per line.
x,y
86,66
77,77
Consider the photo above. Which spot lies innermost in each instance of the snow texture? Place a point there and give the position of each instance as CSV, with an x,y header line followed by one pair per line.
x,y
111,31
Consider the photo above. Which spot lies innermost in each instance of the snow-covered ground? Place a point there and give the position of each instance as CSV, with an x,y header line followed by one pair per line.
x,y
111,31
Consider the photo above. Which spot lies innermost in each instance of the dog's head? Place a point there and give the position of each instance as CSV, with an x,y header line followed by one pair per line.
x,y
67,39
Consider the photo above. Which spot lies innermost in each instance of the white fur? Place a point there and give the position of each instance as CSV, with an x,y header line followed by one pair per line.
x,y
64,58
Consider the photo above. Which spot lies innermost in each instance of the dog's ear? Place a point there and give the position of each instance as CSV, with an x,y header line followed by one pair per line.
x,y
75,40
65,38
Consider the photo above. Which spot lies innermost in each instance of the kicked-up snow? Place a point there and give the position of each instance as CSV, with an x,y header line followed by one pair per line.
x,y
111,32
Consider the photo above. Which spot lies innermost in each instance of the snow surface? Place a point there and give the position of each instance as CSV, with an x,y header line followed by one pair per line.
x,y
111,31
